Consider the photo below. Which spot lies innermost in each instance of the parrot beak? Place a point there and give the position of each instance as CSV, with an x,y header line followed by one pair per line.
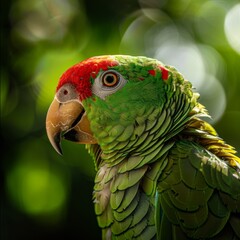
x,y
68,120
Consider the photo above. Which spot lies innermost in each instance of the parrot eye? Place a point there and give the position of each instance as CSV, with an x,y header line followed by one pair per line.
x,y
107,83
110,79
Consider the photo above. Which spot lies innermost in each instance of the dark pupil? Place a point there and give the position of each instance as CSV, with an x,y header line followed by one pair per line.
x,y
110,79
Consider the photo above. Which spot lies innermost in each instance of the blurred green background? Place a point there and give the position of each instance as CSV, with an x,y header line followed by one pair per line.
x,y
47,196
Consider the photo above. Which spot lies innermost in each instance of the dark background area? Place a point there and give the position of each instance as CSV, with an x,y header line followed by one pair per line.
x,y
47,196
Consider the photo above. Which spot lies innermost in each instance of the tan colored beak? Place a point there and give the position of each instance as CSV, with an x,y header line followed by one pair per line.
x,y
68,120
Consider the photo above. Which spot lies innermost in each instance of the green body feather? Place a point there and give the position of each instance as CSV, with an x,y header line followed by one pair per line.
x,y
162,173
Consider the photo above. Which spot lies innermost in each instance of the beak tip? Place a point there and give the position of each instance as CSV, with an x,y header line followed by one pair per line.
x,y
56,143
59,151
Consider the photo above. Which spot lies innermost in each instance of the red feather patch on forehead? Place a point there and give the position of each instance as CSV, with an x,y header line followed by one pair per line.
x,y
81,73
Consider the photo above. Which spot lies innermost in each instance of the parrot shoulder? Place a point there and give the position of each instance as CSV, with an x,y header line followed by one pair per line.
x,y
196,190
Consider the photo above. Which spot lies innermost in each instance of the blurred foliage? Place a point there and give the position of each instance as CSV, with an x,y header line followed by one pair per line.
x,y
47,196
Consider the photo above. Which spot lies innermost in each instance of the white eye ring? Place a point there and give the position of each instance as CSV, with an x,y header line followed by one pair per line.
x,y
107,83
66,93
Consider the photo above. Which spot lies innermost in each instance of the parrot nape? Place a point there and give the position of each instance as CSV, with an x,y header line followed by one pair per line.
x,y
162,171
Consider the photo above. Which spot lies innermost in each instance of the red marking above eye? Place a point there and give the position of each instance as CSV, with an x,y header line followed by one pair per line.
x,y
80,74
152,72
164,72
162,69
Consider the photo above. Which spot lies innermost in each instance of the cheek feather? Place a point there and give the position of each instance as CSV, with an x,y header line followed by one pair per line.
x,y
80,75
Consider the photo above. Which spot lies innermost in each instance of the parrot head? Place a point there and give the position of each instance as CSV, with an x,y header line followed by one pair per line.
x,y
108,98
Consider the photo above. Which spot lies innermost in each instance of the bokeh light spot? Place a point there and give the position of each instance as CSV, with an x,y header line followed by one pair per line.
x,y
182,54
42,20
214,98
209,22
42,191
214,63
33,186
232,27
132,40
36,191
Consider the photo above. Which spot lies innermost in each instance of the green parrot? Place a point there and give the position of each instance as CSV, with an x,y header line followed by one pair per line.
x,y
161,171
